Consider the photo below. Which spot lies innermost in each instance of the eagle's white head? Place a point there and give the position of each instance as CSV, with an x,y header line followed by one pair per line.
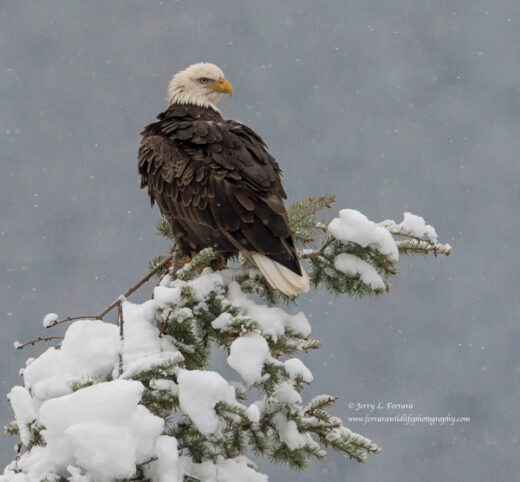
x,y
200,84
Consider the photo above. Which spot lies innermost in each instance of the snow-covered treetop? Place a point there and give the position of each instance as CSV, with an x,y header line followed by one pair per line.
x,y
138,401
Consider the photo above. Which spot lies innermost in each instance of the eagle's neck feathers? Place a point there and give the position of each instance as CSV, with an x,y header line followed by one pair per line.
x,y
183,98
179,94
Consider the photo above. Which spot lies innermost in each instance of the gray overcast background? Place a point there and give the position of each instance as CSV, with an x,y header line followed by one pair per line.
x,y
393,105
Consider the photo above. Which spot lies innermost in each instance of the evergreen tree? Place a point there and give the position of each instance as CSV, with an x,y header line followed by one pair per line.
x,y
139,401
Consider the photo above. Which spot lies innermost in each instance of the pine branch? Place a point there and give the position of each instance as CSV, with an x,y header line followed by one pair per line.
x,y
415,244
201,260
319,403
164,229
301,210
199,306
12,429
302,220
154,262
84,383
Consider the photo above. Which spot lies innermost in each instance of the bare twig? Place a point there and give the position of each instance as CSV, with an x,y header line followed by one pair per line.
x,y
121,323
321,252
171,257
161,265
134,288
73,318
146,462
40,338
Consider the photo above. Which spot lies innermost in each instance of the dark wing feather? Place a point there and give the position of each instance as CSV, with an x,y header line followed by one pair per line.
x,y
216,184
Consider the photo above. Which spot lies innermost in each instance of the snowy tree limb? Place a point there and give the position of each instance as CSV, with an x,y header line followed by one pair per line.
x,y
147,385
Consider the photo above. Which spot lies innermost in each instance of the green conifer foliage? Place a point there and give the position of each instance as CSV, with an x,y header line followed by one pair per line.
x,y
235,307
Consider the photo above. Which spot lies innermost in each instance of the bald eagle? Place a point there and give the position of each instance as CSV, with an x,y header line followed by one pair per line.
x,y
216,183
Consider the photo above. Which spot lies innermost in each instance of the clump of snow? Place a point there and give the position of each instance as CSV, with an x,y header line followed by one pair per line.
x,y
288,432
89,349
47,376
248,354
98,447
161,384
17,344
205,283
273,321
222,322
352,265
297,324
199,392
149,361
296,369
413,225
143,348
352,226
224,470
167,295
165,468
101,429
76,474
253,413
237,469
206,471
24,411
49,319
286,393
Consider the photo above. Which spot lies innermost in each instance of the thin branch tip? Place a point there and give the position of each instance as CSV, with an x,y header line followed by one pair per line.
x,y
21,346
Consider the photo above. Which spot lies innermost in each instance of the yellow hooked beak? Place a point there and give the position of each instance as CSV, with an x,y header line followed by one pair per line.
x,y
222,85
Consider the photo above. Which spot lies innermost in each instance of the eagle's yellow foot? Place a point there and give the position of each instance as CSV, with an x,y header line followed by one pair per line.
x,y
185,262
220,263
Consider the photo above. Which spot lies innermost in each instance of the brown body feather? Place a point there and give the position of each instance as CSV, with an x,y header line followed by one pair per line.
x,y
216,184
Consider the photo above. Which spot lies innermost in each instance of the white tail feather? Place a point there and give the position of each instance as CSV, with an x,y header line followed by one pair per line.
x,y
279,276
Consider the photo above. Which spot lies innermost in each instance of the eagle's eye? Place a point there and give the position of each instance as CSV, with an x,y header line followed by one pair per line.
x,y
204,80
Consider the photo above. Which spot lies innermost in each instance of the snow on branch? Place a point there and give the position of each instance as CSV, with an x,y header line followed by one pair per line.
x,y
139,402
359,257
421,237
